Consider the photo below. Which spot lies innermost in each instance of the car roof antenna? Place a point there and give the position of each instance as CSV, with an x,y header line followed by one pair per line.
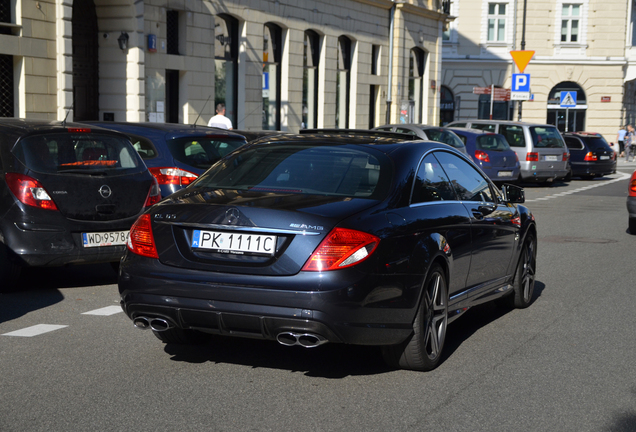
x,y
194,125
67,113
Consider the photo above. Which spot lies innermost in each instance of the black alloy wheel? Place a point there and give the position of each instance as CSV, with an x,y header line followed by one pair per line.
x,y
525,275
423,350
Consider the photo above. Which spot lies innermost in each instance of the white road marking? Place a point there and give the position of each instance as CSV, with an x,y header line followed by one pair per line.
x,y
106,311
35,330
622,176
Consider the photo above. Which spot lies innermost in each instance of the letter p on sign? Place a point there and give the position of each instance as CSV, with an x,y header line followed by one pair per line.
x,y
520,82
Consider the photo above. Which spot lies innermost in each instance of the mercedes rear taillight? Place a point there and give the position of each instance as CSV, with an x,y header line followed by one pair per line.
x,y
482,156
141,240
340,249
173,176
29,191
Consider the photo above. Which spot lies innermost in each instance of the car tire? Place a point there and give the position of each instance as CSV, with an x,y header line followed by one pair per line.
x,y
176,335
423,349
525,275
9,270
632,226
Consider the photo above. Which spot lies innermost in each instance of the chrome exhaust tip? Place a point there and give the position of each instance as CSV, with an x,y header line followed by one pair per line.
x,y
141,323
305,340
160,324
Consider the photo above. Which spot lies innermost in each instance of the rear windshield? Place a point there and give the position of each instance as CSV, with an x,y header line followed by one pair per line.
x,y
444,136
201,152
78,153
492,142
546,137
598,143
303,169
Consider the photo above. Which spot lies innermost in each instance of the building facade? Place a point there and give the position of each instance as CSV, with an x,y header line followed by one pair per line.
x,y
582,47
282,65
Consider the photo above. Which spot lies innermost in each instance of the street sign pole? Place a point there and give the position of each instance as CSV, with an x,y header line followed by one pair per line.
x,y
567,118
492,99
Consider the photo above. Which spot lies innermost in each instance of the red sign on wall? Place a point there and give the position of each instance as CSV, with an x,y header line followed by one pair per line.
x,y
606,98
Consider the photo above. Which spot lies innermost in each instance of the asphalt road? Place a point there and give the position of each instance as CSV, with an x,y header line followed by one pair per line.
x,y
567,363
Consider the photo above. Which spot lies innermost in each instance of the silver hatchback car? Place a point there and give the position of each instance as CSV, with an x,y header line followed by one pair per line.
x,y
542,153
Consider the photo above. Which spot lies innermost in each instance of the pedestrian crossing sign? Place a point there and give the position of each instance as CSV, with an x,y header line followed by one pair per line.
x,y
568,99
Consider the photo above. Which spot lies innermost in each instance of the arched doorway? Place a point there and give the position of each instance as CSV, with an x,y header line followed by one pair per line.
x,y
85,63
574,117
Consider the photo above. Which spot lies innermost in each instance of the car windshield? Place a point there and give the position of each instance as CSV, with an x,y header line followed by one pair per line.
x,y
546,137
444,136
78,153
598,144
492,142
306,169
201,152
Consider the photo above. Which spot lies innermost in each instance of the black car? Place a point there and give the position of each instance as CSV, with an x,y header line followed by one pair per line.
x,y
68,194
308,239
590,155
177,154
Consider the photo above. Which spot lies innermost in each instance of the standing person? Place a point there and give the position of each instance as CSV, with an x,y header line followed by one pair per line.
x,y
219,120
620,138
630,142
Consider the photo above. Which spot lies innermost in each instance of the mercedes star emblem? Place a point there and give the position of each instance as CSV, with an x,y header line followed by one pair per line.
x,y
232,216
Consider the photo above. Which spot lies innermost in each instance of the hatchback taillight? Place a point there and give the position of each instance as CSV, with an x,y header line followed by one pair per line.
x,y
29,191
154,194
141,240
590,157
340,249
173,176
482,156
532,157
632,186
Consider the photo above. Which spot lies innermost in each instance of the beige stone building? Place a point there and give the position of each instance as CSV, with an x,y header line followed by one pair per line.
x,y
281,65
581,46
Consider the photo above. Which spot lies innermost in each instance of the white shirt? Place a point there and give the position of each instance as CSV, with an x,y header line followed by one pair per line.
x,y
220,121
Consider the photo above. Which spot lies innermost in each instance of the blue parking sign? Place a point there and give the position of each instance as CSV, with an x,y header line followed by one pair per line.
x,y
520,82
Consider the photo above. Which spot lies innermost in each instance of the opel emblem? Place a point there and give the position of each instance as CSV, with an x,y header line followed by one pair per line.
x,y
232,216
105,191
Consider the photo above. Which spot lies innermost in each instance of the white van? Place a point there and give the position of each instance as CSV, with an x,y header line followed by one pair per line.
x,y
542,153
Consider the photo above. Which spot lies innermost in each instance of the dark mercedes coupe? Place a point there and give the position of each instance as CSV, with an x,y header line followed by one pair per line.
x,y
308,239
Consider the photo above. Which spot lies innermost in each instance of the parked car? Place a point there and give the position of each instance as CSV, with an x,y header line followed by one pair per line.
x,y
543,155
631,203
428,133
590,155
491,153
309,239
177,154
361,133
68,195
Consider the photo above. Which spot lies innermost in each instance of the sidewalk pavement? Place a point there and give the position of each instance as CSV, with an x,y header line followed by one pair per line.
x,y
622,164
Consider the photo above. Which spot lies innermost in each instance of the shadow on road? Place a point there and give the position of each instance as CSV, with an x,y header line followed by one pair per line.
x,y
38,288
331,360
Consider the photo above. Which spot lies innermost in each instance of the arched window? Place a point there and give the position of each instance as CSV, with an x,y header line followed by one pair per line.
x,y
567,119
311,57
446,106
272,53
226,50
417,58
343,82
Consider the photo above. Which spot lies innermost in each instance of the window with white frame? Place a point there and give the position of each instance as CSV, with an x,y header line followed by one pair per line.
x,y
570,22
497,22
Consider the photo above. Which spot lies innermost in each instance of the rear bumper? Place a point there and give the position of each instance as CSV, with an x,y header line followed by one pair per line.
x,y
593,168
540,172
352,308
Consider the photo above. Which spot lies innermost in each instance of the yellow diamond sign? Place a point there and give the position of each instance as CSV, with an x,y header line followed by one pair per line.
x,y
522,58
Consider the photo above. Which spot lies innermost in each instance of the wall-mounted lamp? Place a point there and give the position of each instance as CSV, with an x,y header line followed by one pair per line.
x,y
123,41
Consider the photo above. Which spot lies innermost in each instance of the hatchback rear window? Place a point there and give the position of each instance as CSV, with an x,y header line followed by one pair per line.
x,y
77,153
201,152
492,142
302,169
546,137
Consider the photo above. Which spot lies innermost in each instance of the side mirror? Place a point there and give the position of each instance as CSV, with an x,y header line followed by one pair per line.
x,y
513,194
